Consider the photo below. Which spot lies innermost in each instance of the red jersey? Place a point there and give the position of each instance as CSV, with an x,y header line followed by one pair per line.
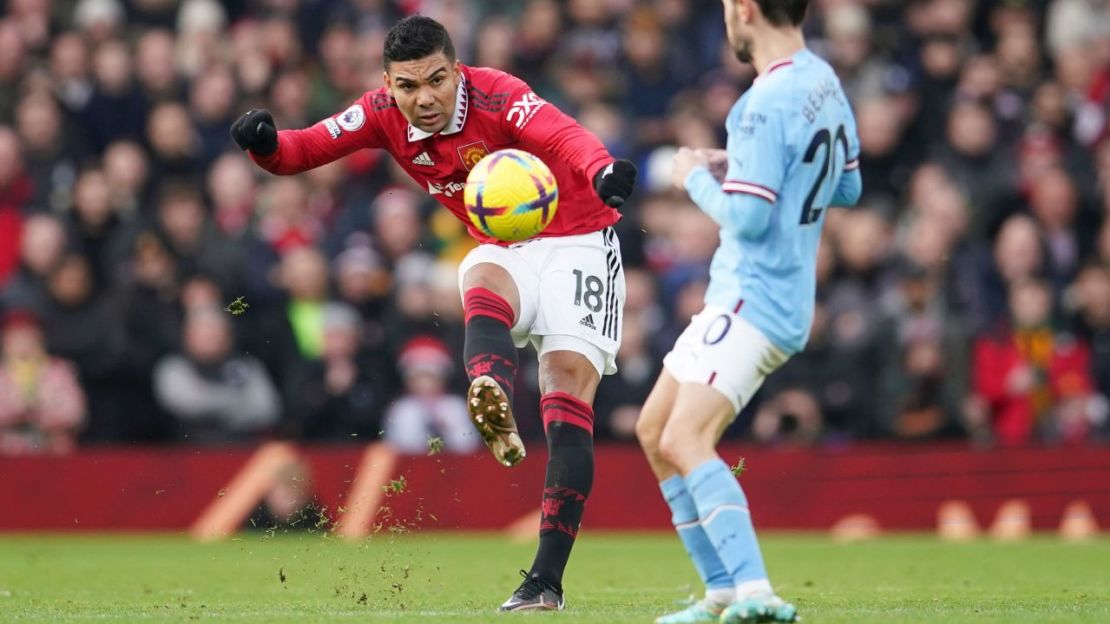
x,y
493,110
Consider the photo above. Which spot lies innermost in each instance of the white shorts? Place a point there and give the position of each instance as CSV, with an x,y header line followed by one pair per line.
x,y
571,293
722,350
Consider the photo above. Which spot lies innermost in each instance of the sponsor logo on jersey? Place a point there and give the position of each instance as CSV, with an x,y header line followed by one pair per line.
x,y
449,189
424,159
522,110
333,128
352,119
471,153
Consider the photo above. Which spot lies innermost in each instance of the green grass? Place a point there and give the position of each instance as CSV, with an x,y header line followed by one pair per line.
x,y
461,578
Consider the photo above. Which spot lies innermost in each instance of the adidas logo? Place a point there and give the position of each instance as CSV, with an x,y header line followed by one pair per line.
x,y
424,159
588,321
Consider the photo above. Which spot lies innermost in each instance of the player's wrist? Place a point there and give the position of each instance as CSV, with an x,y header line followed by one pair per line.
x,y
690,181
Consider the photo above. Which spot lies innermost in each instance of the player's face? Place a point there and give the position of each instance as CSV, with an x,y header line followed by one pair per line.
x,y
425,90
737,17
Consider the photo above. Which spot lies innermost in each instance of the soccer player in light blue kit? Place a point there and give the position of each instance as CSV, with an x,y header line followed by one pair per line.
x,y
792,153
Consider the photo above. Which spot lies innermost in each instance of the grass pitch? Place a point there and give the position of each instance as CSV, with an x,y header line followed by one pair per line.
x,y
463,577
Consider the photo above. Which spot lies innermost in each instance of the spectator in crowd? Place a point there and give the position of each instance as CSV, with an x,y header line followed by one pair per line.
x,y
920,395
41,245
292,330
159,295
50,162
84,326
214,394
1092,300
232,189
42,406
1032,380
126,167
115,109
96,229
193,240
427,411
858,334
343,393
1018,255
418,296
361,279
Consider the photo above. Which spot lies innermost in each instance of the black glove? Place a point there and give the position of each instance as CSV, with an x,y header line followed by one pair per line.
x,y
615,181
255,131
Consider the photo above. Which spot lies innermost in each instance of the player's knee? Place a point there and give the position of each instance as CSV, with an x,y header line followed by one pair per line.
x,y
675,443
489,276
570,372
648,432
495,279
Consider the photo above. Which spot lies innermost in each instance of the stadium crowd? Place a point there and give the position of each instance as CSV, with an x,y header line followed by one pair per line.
x,y
155,286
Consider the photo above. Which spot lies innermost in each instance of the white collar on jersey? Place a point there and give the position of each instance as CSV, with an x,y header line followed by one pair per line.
x,y
457,120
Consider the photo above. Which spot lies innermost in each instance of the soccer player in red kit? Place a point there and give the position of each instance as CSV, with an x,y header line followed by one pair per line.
x,y
562,291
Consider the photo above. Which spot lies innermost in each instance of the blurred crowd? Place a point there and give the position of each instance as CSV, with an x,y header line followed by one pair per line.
x,y
156,287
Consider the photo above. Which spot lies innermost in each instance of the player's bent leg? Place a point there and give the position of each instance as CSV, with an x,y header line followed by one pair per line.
x,y
653,417
568,381
491,305
719,590
700,415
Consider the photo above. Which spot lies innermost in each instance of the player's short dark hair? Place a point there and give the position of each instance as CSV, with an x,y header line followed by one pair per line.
x,y
784,12
416,37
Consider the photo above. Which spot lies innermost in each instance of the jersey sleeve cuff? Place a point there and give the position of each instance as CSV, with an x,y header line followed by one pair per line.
x,y
593,168
750,188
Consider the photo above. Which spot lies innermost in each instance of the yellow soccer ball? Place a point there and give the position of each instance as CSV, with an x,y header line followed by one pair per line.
x,y
511,195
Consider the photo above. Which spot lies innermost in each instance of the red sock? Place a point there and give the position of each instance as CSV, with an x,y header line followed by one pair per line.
x,y
488,348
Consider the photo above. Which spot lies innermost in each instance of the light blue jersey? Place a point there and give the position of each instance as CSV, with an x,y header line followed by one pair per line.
x,y
792,153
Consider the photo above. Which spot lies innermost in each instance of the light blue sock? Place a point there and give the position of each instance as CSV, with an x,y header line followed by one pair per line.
x,y
723,510
684,516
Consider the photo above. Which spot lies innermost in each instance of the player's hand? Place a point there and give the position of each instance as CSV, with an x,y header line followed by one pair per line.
x,y
685,161
717,161
255,131
614,183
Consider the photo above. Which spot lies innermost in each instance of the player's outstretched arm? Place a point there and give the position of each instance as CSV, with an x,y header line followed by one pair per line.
x,y
286,152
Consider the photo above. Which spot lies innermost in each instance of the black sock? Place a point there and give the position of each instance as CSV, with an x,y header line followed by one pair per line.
x,y
570,476
488,347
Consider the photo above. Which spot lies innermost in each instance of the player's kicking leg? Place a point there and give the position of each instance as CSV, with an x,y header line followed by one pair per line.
x,y
568,381
491,304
